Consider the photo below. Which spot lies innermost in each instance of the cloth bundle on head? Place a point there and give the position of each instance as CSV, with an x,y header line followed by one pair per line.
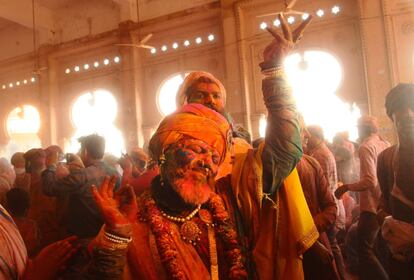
x,y
400,95
191,80
193,121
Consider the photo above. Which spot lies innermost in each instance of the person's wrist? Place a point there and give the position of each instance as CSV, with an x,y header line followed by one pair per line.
x,y
271,64
122,230
273,73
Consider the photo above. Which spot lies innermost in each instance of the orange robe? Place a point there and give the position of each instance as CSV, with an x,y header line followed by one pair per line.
x,y
277,233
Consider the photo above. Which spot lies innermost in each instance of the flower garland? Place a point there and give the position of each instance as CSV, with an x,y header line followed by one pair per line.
x,y
161,228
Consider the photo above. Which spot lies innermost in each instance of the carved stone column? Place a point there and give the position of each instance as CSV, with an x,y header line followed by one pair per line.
x,y
238,102
131,84
48,91
376,60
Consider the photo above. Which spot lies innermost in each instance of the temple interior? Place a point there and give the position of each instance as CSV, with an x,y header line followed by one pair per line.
x,y
65,73
91,88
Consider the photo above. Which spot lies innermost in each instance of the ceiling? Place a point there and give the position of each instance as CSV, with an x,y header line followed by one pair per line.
x,y
58,21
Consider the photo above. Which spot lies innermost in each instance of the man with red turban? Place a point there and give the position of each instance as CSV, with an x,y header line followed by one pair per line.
x,y
192,227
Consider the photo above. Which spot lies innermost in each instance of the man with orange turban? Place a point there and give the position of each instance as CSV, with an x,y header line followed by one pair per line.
x,y
192,227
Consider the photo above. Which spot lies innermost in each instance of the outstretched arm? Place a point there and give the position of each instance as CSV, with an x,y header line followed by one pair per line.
x,y
282,147
110,247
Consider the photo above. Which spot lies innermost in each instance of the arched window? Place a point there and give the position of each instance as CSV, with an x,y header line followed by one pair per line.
x,y
168,92
95,112
23,124
315,77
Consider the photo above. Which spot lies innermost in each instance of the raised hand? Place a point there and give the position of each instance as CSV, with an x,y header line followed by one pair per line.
x,y
51,260
279,48
119,209
125,162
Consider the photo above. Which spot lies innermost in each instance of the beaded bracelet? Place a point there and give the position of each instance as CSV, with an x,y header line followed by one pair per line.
x,y
111,245
116,238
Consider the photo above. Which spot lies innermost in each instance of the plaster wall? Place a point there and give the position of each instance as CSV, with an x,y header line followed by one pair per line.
x,y
85,18
17,41
150,9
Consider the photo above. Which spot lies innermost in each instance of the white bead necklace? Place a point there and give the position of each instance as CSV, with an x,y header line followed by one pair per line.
x,y
180,219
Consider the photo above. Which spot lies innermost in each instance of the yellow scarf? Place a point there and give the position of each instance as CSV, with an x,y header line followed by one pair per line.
x,y
279,227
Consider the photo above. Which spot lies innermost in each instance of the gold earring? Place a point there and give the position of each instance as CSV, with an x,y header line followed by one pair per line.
x,y
161,160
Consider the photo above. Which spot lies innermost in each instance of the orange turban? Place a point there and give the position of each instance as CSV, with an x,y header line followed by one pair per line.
x,y
190,80
193,121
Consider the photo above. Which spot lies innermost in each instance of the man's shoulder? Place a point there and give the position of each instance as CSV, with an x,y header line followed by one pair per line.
x,y
385,158
98,169
388,153
373,144
309,164
309,160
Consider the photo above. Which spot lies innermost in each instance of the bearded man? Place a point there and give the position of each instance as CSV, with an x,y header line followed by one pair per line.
x,y
203,88
396,180
186,230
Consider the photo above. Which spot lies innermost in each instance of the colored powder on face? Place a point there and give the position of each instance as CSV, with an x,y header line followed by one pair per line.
x,y
183,157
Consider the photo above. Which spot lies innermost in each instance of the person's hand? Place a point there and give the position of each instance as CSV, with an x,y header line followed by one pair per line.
x,y
340,191
118,209
321,252
51,260
125,162
280,47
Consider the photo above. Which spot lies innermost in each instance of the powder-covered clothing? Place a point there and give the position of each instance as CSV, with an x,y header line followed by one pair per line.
x,y
13,255
367,186
263,196
83,217
327,161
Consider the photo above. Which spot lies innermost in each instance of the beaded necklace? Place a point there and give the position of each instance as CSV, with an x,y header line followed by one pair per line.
x,y
160,226
189,230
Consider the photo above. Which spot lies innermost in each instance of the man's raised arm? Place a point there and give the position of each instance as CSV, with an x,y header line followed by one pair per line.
x,y
282,148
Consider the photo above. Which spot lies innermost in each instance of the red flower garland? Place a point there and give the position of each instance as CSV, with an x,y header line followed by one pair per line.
x,y
161,228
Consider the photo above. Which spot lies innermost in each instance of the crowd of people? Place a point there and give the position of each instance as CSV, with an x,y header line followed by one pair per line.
x,y
206,202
